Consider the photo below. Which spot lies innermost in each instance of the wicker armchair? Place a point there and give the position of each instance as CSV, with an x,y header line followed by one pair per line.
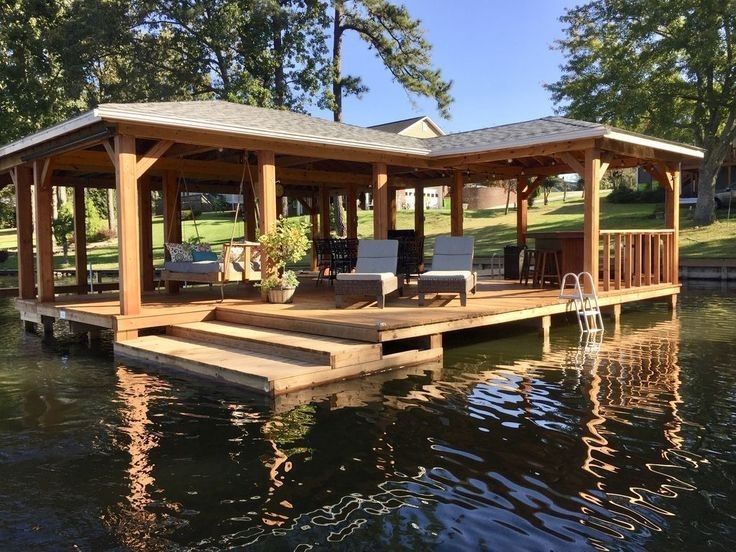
x,y
452,269
375,273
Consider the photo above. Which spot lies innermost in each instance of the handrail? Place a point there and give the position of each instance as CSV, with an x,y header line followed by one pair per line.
x,y
647,231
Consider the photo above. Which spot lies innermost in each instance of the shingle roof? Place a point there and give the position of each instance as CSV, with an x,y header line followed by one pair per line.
x,y
238,119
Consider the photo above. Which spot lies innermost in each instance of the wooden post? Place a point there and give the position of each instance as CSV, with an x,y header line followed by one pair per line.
x,y
172,218
249,207
146,222
352,211
380,201
44,240
672,222
391,222
419,210
266,192
522,209
80,240
591,222
126,183
456,204
314,230
324,212
24,223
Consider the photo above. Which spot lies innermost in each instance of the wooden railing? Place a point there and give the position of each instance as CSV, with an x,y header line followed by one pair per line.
x,y
637,258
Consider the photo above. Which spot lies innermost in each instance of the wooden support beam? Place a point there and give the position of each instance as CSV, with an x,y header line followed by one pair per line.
x,y
128,226
109,149
672,221
80,241
147,160
23,178
42,171
391,221
266,193
251,217
456,205
591,224
419,210
522,209
314,230
172,218
324,212
380,201
351,211
571,161
145,211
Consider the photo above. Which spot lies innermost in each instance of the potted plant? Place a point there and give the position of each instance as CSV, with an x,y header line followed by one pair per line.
x,y
287,242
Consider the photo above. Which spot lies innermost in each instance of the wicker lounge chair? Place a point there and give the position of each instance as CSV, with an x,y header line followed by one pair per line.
x,y
375,273
452,269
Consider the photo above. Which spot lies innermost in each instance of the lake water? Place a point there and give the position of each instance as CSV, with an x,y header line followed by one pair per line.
x,y
511,445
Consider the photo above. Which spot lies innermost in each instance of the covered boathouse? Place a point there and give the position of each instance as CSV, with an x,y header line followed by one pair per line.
x,y
138,148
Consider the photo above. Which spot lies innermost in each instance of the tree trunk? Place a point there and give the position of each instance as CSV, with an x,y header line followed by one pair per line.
x,y
337,63
339,206
112,223
284,206
278,48
710,166
508,198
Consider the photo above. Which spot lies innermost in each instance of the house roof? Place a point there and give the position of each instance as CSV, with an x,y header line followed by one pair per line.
x,y
237,119
397,127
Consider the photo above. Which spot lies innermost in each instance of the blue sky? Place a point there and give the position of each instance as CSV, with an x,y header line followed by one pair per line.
x,y
497,52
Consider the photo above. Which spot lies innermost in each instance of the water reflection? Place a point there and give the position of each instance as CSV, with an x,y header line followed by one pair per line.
x,y
508,445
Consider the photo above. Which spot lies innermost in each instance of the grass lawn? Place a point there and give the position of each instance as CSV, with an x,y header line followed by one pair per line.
x,y
491,228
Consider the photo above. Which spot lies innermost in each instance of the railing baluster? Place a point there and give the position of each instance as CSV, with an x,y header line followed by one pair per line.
x,y
606,262
647,259
657,259
637,260
619,261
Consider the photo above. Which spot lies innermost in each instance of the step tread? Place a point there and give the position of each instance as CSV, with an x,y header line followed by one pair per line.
x,y
292,340
267,366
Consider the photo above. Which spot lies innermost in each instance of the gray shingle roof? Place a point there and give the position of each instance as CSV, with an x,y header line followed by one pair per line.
x,y
226,117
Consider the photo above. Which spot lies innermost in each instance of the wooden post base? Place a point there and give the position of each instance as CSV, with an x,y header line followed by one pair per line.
x,y
29,327
616,314
545,323
434,341
48,326
672,302
125,335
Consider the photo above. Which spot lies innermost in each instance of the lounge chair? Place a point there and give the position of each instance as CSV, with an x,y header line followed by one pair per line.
x,y
375,273
452,269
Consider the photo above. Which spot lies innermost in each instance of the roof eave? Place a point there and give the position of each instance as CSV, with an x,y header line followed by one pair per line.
x,y
80,121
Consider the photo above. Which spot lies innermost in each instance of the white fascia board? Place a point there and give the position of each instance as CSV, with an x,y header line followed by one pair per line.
x,y
80,121
133,117
656,144
523,143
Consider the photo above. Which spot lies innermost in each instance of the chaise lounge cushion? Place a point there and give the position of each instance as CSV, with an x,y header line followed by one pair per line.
x,y
367,276
447,275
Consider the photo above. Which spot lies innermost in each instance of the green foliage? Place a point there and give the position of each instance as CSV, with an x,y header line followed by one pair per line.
x,y
93,223
7,207
287,242
619,178
661,67
628,195
398,41
62,227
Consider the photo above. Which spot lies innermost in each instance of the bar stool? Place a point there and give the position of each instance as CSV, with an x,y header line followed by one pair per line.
x,y
528,264
543,262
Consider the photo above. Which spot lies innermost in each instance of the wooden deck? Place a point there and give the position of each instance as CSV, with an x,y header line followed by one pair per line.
x,y
278,348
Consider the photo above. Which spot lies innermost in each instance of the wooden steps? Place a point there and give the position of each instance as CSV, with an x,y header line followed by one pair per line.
x,y
333,351
265,360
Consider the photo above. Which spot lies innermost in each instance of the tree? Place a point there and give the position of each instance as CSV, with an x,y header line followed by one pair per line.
x,y
548,184
656,66
399,43
63,226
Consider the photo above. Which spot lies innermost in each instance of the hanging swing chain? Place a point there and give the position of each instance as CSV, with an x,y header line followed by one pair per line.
x,y
182,178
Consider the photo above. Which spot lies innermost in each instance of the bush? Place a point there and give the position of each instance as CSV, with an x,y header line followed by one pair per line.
x,y
627,195
103,234
94,222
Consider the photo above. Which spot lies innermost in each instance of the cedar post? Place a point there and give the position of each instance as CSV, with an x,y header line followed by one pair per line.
x,y
456,204
80,240
391,222
380,201
249,206
24,223
126,183
172,218
146,221
352,211
522,209
591,223
266,192
44,240
672,222
419,210
324,212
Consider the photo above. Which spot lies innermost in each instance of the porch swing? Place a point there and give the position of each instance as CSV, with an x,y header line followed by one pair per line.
x,y
195,263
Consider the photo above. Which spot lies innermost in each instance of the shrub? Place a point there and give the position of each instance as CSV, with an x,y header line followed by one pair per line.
x,y
94,222
627,195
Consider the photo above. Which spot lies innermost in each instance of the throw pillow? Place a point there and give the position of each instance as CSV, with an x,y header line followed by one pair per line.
x,y
179,252
204,256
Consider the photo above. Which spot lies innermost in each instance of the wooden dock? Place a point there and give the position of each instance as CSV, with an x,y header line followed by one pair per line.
x,y
274,349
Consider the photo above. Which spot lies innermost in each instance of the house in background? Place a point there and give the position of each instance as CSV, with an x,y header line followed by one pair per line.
x,y
417,127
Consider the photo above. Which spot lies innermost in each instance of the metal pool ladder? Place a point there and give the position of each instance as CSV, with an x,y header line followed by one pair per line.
x,y
586,304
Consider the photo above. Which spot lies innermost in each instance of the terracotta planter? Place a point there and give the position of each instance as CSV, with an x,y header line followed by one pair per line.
x,y
281,295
